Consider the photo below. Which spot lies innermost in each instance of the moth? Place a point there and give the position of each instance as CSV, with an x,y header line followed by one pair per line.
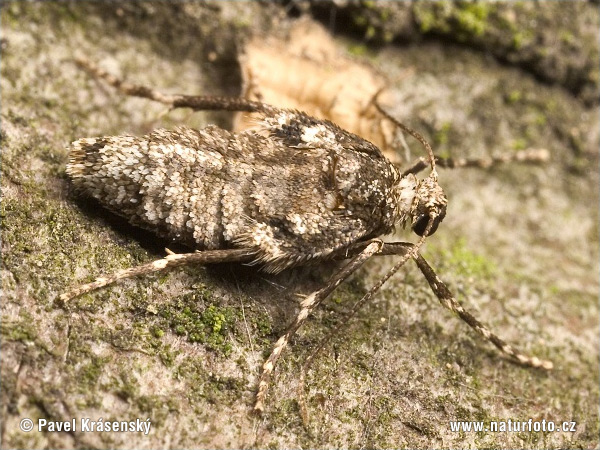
x,y
295,190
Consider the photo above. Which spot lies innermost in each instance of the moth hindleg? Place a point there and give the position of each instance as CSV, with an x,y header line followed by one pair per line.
x,y
168,262
529,156
195,102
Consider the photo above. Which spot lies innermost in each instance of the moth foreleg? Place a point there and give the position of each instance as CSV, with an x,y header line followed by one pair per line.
x,y
445,297
308,304
447,300
397,249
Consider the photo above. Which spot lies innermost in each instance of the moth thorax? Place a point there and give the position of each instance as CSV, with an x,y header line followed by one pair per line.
x,y
406,192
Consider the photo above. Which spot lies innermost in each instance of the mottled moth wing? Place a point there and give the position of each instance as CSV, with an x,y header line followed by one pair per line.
x,y
294,189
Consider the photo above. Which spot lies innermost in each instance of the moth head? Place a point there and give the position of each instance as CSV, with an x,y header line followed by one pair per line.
x,y
421,202
429,205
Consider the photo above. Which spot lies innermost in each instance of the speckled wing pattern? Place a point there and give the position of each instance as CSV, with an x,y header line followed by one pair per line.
x,y
294,189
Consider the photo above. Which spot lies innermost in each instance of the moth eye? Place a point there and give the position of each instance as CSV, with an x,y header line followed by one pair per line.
x,y
420,224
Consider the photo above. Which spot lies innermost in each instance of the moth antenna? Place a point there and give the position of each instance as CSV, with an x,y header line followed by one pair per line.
x,y
409,130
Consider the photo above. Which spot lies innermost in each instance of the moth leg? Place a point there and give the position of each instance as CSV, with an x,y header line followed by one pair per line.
x,y
197,103
397,249
447,300
528,156
308,304
445,297
168,262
